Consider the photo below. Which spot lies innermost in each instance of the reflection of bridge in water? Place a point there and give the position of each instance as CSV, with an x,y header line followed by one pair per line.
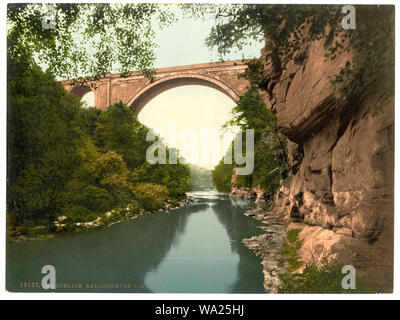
x,y
137,90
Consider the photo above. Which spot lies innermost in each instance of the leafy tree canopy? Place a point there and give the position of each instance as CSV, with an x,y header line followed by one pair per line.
x,y
287,27
88,40
65,160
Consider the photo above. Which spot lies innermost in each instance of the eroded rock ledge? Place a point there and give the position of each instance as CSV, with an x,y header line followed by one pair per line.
x,y
341,152
342,163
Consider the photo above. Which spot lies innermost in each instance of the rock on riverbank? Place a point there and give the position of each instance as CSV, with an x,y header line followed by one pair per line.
x,y
268,245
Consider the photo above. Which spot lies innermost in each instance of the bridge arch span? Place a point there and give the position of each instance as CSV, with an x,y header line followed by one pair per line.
x,y
136,90
140,98
80,91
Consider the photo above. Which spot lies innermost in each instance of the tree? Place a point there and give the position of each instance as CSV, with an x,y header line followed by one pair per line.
x,y
80,163
252,113
175,177
42,139
88,40
201,178
286,28
270,158
118,129
151,196
222,176
111,174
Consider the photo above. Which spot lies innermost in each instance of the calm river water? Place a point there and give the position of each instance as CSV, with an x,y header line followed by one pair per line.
x,y
196,249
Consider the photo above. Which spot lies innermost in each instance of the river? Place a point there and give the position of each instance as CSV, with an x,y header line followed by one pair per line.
x,y
196,249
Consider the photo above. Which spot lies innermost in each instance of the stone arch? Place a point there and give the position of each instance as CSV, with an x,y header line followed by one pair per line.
x,y
140,98
80,91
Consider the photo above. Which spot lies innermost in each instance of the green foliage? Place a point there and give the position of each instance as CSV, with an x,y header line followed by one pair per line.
x,y
111,173
151,196
254,72
201,178
89,40
64,160
325,277
290,258
89,120
118,129
372,42
292,235
322,278
175,177
41,145
270,159
222,176
283,25
286,28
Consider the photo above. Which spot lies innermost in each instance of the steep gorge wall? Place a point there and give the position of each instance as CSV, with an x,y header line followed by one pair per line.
x,y
340,190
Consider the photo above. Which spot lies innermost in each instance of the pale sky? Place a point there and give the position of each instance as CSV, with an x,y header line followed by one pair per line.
x,y
190,107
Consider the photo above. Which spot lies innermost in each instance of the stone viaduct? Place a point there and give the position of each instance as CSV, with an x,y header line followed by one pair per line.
x,y
136,90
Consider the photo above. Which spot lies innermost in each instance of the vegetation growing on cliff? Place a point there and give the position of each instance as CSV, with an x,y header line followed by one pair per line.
x,y
324,277
64,160
290,258
287,28
270,157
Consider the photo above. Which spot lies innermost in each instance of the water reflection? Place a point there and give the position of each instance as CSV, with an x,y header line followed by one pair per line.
x,y
193,249
238,226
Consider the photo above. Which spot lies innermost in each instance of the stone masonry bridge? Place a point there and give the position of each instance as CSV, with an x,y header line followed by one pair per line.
x,y
137,90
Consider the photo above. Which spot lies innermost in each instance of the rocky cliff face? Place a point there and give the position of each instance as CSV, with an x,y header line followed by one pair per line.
x,y
342,159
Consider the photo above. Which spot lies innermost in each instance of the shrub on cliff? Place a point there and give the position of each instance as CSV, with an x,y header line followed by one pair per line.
x,y
286,28
322,278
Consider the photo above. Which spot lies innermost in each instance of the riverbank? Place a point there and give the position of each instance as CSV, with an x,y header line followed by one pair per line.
x,y
269,245
64,225
282,249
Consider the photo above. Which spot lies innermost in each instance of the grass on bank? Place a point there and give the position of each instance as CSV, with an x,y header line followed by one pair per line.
x,y
289,253
325,277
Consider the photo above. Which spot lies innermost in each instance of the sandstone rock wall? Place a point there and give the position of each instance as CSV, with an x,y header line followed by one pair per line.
x,y
342,159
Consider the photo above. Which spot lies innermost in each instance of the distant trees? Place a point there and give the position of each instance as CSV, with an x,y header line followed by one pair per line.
x,y
201,178
222,176
66,160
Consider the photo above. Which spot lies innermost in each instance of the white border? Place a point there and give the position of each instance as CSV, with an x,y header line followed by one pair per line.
x,y
132,296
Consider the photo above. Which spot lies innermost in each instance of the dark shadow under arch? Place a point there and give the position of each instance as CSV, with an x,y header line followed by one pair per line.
x,y
80,91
